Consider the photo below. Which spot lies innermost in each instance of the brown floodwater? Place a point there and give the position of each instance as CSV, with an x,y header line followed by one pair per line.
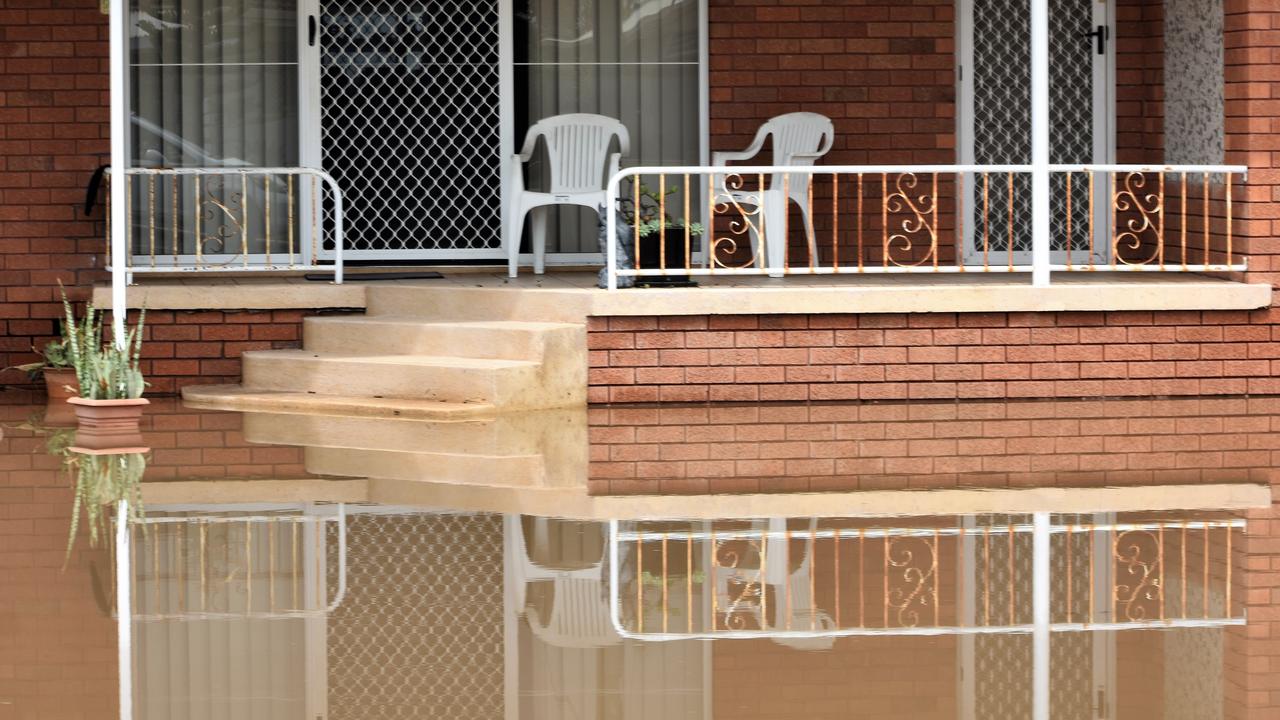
x,y
972,561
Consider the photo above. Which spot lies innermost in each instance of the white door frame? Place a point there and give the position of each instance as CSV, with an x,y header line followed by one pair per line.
x,y
1104,126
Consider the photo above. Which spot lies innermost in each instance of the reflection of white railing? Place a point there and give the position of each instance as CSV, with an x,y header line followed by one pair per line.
x,y
835,220
786,584
253,566
232,220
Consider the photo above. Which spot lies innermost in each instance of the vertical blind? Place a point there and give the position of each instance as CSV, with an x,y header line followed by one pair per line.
x,y
213,83
634,60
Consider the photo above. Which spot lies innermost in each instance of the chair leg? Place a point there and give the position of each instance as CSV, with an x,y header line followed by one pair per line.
x,y
775,220
540,239
810,235
514,233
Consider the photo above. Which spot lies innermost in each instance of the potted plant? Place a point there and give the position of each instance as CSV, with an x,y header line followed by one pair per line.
x,y
659,233
110,403
56,368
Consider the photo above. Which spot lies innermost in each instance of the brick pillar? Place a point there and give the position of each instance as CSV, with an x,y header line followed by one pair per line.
x,y
1252,92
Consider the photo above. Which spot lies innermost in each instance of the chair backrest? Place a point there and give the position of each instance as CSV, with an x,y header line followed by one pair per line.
x,y
799,133
578,148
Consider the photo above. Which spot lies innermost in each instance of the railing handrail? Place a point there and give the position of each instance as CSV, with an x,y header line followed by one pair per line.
x,y
319,174
1039,265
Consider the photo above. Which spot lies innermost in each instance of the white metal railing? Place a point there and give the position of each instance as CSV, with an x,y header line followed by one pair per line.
x,y
232,220
782,582
740,220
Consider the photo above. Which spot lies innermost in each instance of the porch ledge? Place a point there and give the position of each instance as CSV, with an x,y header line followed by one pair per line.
x,y
572,296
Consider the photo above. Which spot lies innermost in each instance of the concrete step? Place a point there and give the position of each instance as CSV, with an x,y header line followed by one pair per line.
x,y
462,304
387,335
490,470
508,384
303,404
533,432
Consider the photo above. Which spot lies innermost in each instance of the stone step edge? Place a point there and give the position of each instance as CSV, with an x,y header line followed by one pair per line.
x,y
237,397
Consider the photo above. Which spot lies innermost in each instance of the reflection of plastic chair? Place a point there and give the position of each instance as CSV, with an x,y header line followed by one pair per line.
x,y
799,139
801,614
579,617
577,153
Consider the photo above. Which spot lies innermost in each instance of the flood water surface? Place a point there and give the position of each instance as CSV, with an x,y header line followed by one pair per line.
x,y
295,567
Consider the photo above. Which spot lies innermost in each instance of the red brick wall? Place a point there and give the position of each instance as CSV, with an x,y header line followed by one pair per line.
x,y
53,133
931,356
58,648
897,446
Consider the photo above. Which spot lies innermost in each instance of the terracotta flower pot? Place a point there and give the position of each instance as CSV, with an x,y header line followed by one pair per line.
x,y
108,424
60,383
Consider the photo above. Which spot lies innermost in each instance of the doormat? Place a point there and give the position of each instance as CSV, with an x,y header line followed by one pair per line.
x,y
410,275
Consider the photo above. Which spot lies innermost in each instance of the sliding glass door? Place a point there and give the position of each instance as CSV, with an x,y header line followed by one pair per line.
x,y
635,60
213,84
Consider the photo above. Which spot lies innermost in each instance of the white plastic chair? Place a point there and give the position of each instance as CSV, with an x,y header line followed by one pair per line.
x,y
799,139
577,145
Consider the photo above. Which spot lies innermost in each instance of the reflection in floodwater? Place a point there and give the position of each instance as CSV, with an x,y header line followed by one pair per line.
x,y
303,567
363,611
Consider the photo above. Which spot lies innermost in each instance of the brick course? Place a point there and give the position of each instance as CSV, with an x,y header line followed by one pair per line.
x,y
748,358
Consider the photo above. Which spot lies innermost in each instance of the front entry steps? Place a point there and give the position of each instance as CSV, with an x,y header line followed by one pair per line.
x,y
405,360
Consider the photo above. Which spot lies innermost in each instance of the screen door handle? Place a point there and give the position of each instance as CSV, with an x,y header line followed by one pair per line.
x,y
311,30
1102,34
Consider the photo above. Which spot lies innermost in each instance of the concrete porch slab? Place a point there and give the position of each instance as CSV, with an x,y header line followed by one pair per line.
x,y
572,296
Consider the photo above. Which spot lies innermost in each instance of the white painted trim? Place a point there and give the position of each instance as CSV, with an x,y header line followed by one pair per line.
x,y
1040,244
506,131
118,51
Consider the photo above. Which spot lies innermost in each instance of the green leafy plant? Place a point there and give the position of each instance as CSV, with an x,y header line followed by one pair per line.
x,y
100,481
55,354
105,371
649,212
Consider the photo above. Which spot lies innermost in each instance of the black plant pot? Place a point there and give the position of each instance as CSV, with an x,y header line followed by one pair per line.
x,y
651,259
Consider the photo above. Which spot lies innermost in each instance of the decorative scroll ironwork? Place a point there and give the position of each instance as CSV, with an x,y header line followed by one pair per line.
x,y
911,580
746,220
749,603
1137,218
1139,559
226,211
920,224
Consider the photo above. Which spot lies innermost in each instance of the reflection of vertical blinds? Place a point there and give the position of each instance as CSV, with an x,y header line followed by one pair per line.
x,y
214,83
635,60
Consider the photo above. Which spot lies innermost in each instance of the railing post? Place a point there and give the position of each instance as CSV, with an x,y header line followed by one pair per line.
x,y
1040,615
1040,219
119,106
611,233
124,603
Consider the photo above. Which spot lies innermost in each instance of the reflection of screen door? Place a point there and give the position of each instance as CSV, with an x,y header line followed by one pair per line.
x,y
996,671
407,104
994,116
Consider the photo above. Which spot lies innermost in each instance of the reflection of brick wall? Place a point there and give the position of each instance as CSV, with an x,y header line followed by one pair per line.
x,y
779,448
930,356
57,646
873,678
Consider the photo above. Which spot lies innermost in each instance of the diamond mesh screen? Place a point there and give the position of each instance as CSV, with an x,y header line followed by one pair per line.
x,y
1002,113
410,125
420,632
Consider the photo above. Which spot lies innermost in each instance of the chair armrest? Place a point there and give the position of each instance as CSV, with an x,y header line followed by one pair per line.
x,y
722,157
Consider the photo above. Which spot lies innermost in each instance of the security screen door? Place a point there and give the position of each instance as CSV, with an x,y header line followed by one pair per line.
x,y
994,116
407,108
